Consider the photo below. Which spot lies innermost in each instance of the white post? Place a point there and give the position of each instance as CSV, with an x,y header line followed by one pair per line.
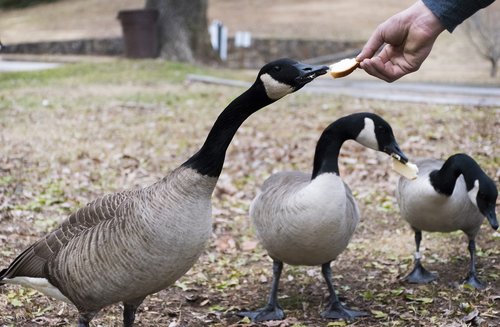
x,y
218,38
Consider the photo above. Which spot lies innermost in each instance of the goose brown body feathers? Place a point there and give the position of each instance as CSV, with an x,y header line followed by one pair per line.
x,y
126,221
143,221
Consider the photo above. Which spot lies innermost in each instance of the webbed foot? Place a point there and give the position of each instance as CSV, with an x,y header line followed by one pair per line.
x,y
419,275
337,311
473,281
264,314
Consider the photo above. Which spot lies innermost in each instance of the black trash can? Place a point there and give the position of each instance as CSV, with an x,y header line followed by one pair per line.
x,y
140,32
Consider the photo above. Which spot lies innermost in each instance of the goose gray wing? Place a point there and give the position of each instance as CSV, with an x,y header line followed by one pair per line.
x,y
292,181
425,167
32,261
285,179
275,188
352,208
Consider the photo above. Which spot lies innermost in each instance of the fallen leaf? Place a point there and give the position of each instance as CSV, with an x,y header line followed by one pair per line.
x,y
249,245
379,314
471,316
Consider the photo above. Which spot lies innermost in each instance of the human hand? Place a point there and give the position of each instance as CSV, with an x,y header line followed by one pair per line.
x,y
408,37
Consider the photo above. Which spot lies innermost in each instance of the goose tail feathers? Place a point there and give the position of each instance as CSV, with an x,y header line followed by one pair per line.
x,y
2,274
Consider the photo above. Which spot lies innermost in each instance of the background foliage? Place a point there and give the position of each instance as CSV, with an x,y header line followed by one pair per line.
x,y
22,3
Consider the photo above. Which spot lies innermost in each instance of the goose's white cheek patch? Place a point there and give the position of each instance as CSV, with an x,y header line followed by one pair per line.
x,y
275,89
367,136
473,192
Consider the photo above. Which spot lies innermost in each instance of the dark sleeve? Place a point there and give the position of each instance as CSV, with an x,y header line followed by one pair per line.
x,y
452,13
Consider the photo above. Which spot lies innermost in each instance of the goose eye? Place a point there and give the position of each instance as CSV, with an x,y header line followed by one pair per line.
x,y
277,68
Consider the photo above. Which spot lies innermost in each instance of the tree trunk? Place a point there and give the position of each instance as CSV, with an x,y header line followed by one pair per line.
x,y
483,30
494,67
183,30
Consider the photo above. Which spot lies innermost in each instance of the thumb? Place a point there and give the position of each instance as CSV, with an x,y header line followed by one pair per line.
x,y
372,45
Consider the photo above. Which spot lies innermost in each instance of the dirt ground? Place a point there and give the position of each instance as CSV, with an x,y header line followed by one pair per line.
x,y
67,140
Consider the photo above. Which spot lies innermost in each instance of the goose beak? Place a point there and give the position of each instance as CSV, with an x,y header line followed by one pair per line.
x,y
308,73
492,218
394,151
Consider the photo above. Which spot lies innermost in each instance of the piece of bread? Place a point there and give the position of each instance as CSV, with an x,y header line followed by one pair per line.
x,y
408,170
343,67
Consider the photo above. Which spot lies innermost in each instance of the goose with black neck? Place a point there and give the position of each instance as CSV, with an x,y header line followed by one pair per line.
x,y
446,196
308,219
124,246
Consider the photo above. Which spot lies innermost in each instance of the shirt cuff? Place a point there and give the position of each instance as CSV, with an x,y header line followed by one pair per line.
x,y
452,13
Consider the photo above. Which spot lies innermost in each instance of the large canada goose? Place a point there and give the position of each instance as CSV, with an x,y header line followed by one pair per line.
x,y
304,219
125,246
447,196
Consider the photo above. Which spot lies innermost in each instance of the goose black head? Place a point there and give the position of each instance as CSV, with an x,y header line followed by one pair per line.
x,y
285,76
481,189
486,199
375,133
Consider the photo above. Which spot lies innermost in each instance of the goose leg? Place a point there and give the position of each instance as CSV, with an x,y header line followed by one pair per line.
x,y
129,309
272,311
335,309
85,318
471,278
419,275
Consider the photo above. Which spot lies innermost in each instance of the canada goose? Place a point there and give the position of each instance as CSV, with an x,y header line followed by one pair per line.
x,y
447,196
127,245
304,219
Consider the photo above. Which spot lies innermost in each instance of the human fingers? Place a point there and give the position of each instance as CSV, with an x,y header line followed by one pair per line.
x,y
375,65
386,71
369,65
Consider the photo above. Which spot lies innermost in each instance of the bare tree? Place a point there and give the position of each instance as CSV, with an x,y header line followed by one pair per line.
x,y
483,30
183,30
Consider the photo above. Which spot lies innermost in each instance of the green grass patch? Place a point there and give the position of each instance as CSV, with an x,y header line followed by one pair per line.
x,y
120,71
114,72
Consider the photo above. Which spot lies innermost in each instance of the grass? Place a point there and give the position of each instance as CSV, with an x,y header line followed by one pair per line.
x,y
109,126
112,72
102,82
